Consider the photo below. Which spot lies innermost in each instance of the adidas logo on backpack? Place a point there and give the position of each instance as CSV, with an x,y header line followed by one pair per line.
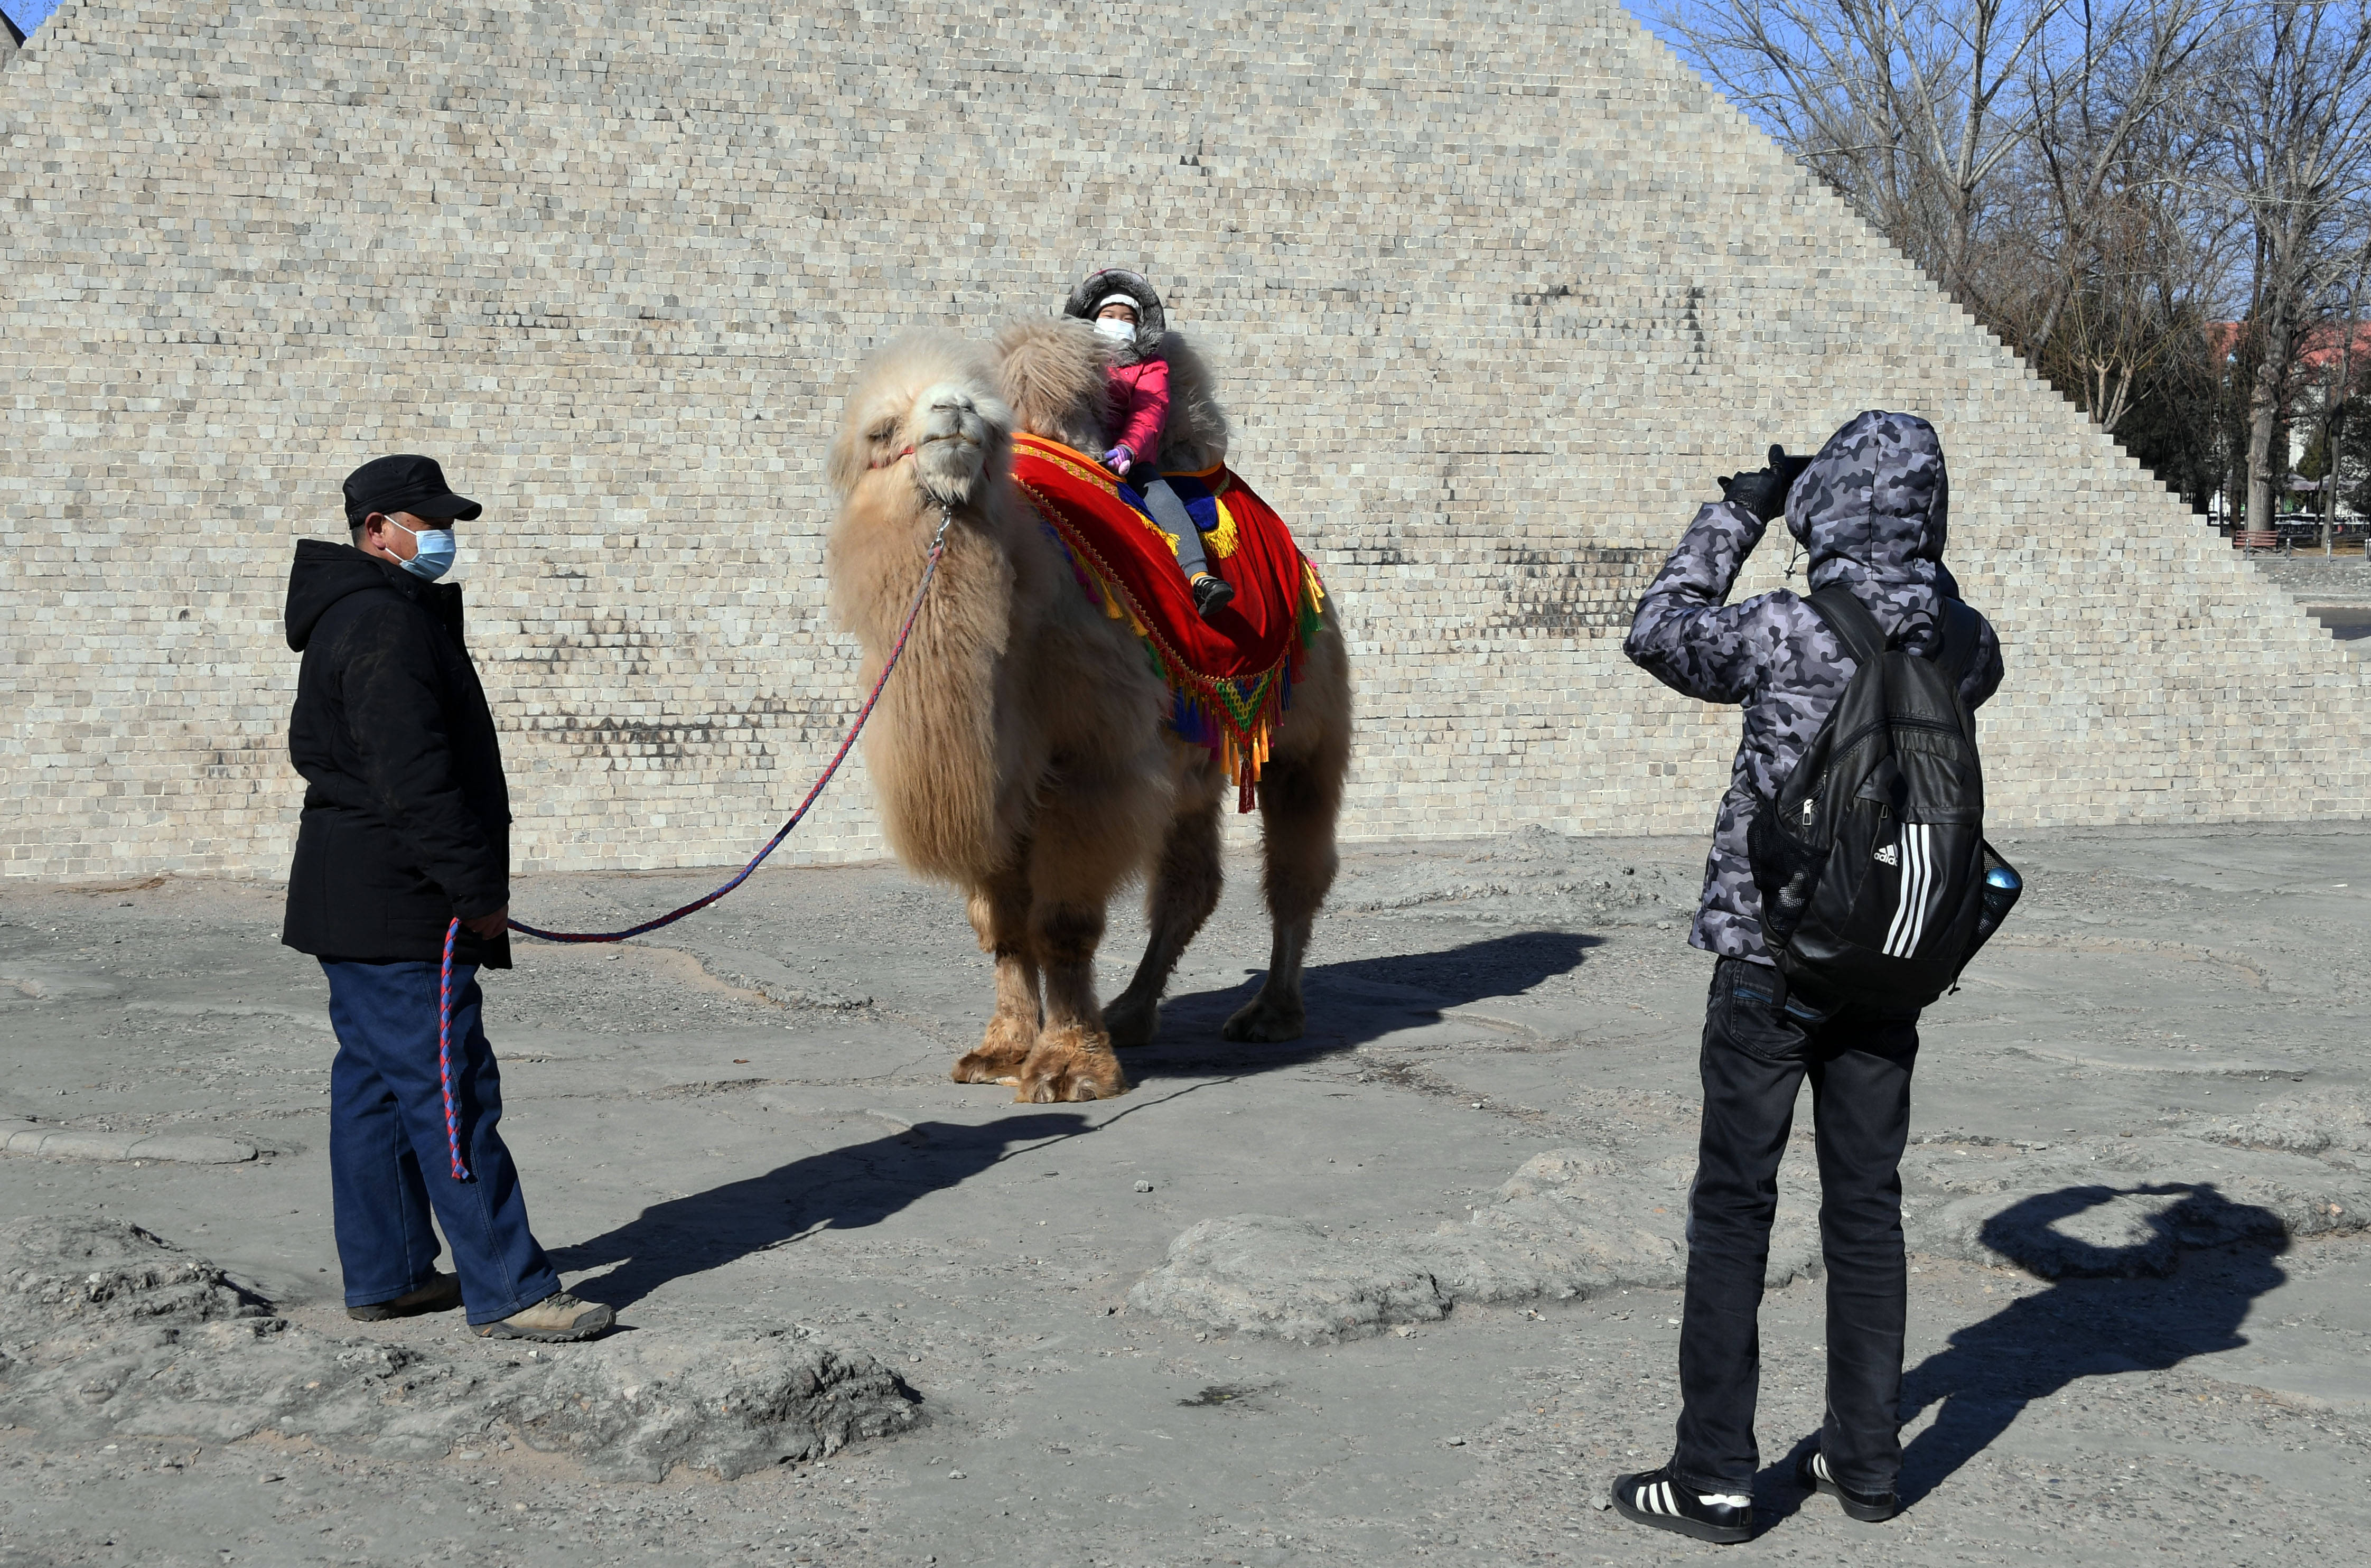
x,y
1871,860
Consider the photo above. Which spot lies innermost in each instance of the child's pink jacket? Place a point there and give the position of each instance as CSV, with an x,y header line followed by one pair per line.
x,y
1140,403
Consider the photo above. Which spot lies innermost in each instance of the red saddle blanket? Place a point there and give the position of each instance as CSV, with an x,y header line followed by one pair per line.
x,y
1230,677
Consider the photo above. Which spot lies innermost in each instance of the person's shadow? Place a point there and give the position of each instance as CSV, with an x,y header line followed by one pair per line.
x,y
1352,1001
843,1188
2103,1314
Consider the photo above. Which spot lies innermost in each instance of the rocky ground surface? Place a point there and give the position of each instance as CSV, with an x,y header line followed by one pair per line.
x,y
1402,1292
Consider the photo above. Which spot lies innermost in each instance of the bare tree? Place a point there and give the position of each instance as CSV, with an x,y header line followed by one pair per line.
x,y
2293,102
2087,176
2130,269
2340,369
1907,107
2102,83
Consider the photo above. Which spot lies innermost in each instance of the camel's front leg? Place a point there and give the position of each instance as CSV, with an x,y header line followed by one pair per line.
x,y
1185,889
1073,1059
1000,913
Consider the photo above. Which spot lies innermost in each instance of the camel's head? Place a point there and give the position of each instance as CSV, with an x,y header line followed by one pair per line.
x,y
925,414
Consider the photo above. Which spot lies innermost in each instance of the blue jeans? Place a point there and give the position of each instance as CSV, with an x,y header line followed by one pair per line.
x,y
388,1164
1755,1059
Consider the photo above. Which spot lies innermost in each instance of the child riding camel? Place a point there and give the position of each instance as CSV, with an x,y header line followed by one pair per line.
x,y
1126,310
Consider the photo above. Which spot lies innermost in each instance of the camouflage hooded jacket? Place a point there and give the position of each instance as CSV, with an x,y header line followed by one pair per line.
x,y
1871,511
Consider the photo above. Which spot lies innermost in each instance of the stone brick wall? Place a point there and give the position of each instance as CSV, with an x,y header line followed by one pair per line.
x,y
1495,290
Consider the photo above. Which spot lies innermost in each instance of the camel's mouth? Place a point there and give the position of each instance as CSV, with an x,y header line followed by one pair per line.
x,y
951,436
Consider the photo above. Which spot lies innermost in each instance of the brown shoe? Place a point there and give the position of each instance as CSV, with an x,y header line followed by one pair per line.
x,y
441,1294
556,1320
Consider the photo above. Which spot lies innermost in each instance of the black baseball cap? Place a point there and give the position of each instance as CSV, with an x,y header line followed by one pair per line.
x,y
404,483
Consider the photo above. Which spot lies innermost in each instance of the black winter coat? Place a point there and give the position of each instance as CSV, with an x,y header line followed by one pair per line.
x,y
407,821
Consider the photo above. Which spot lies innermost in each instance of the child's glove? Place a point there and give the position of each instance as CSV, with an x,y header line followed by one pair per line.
x,y
1119,459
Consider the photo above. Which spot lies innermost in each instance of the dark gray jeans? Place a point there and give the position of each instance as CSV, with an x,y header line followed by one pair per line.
x,y
1755,1058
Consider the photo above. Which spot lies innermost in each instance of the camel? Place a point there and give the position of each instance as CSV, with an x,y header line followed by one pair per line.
x,y
1021,751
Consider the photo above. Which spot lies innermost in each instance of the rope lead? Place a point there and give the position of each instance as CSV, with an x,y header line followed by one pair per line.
x,y
453,929
897,651
444,1053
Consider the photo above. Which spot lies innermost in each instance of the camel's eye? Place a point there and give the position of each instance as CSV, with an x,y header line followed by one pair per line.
x,y
881,431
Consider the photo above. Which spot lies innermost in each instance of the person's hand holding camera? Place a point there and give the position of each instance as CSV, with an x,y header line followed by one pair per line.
x,y
1763,491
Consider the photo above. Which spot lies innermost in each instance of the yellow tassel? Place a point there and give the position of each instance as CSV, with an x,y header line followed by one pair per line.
x,y
1219,542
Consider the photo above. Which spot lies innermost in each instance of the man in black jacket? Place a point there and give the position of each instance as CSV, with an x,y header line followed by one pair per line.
x,y
406,831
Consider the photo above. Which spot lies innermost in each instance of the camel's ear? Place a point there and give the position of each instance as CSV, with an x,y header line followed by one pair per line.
x,y
846,462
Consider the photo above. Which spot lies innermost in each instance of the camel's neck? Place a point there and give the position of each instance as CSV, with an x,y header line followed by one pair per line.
x,y
933,749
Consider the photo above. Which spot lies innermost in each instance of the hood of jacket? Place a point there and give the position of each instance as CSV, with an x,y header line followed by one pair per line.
x,y
1873,511
325,574
1152,321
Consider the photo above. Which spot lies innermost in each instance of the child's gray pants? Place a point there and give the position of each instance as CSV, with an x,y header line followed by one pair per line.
x,y
1170,512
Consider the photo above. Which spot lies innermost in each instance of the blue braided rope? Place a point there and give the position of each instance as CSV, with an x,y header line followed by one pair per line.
x,y
444,1053
847,743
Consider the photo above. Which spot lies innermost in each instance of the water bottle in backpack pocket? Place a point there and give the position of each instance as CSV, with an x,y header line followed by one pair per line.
x,y
1871,860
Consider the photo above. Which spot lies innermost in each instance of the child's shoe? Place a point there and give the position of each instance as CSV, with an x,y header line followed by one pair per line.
x,y
1212,595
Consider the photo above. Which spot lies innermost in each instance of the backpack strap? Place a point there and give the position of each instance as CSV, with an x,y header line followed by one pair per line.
x,y
1963,635
1852,623
1865,640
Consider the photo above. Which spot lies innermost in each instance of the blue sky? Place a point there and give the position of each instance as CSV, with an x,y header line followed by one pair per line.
x,y
28,14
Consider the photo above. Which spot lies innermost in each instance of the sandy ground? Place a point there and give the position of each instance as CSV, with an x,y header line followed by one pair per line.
x,y
742,1133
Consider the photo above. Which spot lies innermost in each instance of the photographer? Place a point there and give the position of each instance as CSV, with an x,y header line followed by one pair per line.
x,y
1870,510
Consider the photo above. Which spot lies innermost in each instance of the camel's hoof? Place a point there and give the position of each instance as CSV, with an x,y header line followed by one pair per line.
x,y
1265,1022
1066,1087
1003,1051
1131,1024
1081,1068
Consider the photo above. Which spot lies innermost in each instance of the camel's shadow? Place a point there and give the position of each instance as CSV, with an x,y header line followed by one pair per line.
x,y
1353,1001
2095,1321
840,1189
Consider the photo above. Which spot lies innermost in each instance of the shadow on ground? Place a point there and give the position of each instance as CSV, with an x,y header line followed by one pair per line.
x,y
1353,1001
2094,1321
842,1189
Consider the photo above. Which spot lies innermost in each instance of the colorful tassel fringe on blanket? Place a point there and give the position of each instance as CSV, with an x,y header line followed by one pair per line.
x,y
1231,677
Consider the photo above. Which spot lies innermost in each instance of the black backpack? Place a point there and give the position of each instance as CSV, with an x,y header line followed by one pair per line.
x,y
1871,862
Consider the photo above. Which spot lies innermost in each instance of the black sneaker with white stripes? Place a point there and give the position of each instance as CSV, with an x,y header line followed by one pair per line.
x,y
1869,1507
1652,1497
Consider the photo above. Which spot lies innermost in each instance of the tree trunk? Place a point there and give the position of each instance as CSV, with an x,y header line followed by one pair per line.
x,y
2114,404
2275,347
2263,415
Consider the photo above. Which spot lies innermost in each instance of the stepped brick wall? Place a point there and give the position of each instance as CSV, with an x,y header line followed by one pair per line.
x,y
1496,288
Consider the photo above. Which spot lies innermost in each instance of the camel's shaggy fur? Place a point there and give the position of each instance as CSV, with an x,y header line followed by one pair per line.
x,y
1194,437
1050,370
1021,751
1051,374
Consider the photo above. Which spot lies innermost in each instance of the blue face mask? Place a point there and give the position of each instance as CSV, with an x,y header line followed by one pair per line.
x,y
433,552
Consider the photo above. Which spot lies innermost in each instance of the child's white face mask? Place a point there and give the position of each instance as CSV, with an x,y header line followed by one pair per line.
x,y
1112,326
